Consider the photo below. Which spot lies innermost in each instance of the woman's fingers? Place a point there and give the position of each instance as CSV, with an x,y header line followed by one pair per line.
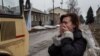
x,y
65,28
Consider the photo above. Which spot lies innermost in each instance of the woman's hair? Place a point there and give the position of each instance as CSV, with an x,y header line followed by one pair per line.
x,y
74,18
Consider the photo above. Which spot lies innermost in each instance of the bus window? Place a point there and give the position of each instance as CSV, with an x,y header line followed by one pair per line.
x,y
10,7
7,30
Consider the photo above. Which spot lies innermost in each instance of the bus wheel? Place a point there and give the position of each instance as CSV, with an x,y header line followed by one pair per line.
x,y
5,53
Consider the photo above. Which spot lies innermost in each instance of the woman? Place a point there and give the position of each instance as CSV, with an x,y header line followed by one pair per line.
x,y
70,41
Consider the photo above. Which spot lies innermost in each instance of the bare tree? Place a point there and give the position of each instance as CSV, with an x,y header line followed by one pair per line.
x,y
72,7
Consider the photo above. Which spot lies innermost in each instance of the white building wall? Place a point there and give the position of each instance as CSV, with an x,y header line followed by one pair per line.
x,y
59,11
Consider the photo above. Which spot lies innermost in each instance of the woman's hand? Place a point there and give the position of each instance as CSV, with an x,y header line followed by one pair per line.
x,y
63,28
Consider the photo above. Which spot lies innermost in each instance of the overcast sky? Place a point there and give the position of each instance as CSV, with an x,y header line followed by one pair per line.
x,y
47,4
83,4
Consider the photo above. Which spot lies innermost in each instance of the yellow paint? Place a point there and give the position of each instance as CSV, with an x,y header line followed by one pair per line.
x,y
17,46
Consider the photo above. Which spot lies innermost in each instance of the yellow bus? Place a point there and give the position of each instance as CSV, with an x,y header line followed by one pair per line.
x,y
13,31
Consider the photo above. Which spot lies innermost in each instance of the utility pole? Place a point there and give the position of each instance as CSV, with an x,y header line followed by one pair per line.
x,y
2,5
53,13
61,3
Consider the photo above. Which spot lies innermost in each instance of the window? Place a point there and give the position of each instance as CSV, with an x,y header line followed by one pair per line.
x,y
32,18
10,7
7,30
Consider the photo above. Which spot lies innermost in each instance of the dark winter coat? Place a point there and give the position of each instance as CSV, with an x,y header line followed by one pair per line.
x,y
70,47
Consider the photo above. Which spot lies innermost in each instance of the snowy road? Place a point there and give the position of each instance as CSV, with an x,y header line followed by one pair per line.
x,y
40,41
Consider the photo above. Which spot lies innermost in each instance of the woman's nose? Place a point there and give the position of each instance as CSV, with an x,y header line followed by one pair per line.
x,y
64,24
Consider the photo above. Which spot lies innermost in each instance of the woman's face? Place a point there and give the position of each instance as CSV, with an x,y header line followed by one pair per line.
x,y
67,22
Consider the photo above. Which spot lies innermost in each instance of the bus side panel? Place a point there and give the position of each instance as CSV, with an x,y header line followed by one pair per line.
x,y
19,45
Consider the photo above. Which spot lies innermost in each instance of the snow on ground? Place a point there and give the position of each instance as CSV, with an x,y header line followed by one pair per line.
x,y
45,27
50,26
38,27
57,25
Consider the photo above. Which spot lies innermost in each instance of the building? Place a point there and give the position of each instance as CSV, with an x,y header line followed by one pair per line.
x,y
38,17
57,13
97,18
55,19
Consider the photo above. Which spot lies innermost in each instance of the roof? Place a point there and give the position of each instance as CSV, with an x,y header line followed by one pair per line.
x,y
66,10
35,10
